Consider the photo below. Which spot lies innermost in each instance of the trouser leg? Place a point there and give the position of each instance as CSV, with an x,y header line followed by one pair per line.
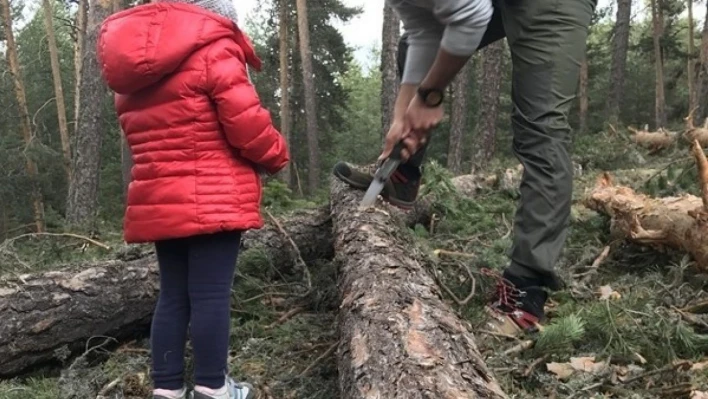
x,y
547,41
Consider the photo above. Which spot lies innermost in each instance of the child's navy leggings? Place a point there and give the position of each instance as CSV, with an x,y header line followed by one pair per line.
x,y
196,275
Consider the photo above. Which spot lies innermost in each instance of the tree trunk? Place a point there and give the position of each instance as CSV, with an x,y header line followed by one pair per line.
x,y
52,314
25,123
489,78
458,119
583,96
691,53
398,338
620,46
389,75
674,222
313,175
58,87
81,17
703,75
82,203
284,49
658,31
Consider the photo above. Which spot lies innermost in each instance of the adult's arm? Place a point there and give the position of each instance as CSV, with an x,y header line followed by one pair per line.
x,y
440,41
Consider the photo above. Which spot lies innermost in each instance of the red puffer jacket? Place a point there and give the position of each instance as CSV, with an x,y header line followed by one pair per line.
x,y
194,123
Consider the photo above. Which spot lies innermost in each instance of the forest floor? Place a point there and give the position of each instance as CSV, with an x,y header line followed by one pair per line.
x,y
615,331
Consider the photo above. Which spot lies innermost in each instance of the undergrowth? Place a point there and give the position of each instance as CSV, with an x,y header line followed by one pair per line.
x,y
639,328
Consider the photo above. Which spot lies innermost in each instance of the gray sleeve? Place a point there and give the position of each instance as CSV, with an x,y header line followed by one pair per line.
x,y
456,25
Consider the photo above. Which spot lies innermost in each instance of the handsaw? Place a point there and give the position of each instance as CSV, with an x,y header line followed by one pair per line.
x,y
383,173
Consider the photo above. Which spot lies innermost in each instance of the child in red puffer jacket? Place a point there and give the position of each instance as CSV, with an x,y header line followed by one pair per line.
x,y
198,136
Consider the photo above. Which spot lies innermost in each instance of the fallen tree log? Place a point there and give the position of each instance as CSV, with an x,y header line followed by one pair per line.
x,y
653,141
675,222
48,316
398,338
131,285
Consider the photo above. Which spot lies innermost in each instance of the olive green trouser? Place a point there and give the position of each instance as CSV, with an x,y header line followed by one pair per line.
x,y
547,42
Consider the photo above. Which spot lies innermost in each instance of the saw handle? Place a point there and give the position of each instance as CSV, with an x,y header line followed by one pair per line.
x,y
391,163
397,150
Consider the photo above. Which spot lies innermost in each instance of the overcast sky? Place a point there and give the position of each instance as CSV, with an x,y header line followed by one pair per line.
x,y
361,33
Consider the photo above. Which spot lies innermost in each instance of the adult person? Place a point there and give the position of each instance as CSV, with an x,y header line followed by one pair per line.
x,y
199,137
547,40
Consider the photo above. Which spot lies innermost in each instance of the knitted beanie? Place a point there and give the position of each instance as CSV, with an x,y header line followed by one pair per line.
x,y
225,8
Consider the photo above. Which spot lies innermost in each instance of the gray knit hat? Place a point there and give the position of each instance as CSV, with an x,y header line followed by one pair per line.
x,y
225,8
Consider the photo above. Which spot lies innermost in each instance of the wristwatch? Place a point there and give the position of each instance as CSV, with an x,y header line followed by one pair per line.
x,y
431,97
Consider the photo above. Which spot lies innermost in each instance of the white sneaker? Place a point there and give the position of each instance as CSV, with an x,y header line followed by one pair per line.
x,y
234,390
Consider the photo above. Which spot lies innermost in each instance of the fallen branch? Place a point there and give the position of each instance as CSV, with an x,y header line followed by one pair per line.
x,y
596,265
702,164
296,249
694,133
679,365
522,346
69,235
323,356
653,141
675,222
285,317
398,337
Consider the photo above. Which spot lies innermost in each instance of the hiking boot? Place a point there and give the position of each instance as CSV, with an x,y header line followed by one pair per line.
x,y
401,190
234,390
517,305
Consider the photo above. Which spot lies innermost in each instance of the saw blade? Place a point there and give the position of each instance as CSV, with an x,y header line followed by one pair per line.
x,y
373,192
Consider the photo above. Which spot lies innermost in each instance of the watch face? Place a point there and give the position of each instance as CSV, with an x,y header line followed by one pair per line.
x,y
434,98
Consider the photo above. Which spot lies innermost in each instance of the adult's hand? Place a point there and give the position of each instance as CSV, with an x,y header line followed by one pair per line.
x,y
413,140
395,134
421,117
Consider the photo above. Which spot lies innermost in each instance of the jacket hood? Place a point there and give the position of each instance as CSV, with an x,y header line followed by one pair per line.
x,y
140,46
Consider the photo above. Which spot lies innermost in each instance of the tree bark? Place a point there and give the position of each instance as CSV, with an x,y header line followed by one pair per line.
x,y
583,96
284,50
50,315
703,75
389,75
658,31
489,78
398,338
81,17
458,119
58,86
25,123
82,202
308,78
620,47
674,222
